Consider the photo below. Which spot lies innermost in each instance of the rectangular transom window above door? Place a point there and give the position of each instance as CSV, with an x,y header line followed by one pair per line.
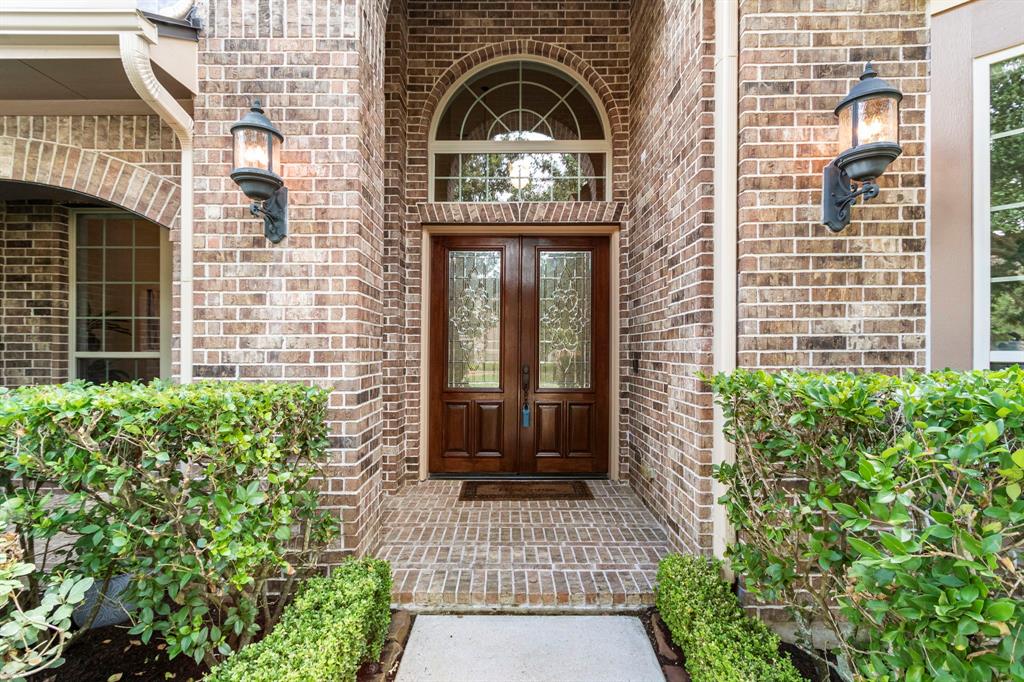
x,y
120,306
999,208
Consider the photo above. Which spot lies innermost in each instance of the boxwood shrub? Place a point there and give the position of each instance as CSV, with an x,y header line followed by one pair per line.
x,y
334,625
721,643
888,508
202,494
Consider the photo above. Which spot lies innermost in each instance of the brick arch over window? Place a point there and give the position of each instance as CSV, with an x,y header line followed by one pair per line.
x,y
103,176
526,48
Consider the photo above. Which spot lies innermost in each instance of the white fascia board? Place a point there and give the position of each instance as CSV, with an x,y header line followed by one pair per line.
x,y
100,24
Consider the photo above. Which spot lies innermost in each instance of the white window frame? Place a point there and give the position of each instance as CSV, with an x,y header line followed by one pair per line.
x,y
164,354
983,355
602,146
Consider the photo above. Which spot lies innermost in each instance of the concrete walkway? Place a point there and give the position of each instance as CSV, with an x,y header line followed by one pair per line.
x,y
529,649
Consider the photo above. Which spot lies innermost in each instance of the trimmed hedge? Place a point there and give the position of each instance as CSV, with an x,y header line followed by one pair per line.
x,y
203,494
889,508
720,642
334,625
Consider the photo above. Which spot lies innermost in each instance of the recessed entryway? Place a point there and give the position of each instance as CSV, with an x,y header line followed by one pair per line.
x,y
519,357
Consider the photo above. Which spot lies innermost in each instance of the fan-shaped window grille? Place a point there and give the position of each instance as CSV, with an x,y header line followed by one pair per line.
x,y
519,131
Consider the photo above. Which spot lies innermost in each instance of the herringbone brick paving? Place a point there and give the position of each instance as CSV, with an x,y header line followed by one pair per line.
x,y
600,553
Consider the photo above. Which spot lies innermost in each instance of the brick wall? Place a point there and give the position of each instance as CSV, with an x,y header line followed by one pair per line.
x,y
129,161
809,298
399,384
307,309
445,40
668,277
33,293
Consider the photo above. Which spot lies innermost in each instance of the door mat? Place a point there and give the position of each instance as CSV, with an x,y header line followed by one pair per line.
x,y
500,491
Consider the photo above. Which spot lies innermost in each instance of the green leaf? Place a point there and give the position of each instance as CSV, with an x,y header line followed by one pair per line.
x,y
1000,611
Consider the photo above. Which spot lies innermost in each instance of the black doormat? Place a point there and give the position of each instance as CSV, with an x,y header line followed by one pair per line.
x,y
500,491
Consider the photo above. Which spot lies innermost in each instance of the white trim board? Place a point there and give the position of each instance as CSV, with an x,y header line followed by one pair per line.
x,y
982,355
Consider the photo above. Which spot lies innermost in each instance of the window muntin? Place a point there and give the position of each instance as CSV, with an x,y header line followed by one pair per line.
x,y
119,306
519,131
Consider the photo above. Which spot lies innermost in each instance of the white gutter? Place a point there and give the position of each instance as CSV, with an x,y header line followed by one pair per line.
x,y
724,234
137,65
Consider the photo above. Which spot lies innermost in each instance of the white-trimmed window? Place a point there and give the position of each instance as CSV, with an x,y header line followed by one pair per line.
x,y
120,298
999,208
519,130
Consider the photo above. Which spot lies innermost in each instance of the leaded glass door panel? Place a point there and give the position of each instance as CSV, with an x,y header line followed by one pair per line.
x,y
474,314
564,343
519,355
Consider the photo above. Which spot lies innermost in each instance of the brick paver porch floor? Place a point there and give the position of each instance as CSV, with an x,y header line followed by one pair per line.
x,y
449,555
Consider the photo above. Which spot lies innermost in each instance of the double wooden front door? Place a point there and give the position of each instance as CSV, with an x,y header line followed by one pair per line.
x,y
519,356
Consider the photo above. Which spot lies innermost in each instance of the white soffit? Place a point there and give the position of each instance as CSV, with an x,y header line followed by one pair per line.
x,y
67,53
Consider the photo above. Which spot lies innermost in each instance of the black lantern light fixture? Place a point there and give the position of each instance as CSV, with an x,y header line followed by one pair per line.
x,y
869,128
257,170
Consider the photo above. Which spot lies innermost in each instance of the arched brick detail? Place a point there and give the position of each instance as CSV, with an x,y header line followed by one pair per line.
x,y
575,64
94,173
526,47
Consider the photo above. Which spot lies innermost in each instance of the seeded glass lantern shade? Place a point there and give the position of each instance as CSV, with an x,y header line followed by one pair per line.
x,y
869,127
257,155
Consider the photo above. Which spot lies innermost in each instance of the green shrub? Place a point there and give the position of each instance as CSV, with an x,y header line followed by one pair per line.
x,y
897,500
334,625
33,632
720,642
201,493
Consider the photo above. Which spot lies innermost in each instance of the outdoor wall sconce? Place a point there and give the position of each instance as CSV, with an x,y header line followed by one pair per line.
x,y
869,128
257,170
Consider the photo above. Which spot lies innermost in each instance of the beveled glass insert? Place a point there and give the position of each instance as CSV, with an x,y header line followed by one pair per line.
x,y
474,319
565,288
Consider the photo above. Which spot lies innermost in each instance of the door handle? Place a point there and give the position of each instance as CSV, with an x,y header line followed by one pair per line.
x,y
524,372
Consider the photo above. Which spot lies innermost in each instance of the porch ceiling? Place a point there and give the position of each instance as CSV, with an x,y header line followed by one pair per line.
x,y
75,79
67,60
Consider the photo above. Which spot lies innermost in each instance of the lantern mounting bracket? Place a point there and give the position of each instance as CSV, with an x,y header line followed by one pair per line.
x,y
840,194
275,215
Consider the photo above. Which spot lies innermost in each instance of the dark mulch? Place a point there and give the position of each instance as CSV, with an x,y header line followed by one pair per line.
x,y
806,664
104,653
499,491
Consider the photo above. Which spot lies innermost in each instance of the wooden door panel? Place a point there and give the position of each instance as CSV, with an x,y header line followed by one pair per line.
x,y
490,428
580,430
456,429
499,305
564,341
548,431
474,394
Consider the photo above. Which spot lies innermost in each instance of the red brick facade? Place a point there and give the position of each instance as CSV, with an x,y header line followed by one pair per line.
x,y
355,85
446,40
668,274
809,298
33,293
129,161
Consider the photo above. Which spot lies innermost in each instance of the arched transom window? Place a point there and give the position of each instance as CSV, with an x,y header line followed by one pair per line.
x,y
519,131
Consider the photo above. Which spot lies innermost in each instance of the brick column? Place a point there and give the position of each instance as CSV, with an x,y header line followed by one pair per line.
x,y
808,298
307,309
33,293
